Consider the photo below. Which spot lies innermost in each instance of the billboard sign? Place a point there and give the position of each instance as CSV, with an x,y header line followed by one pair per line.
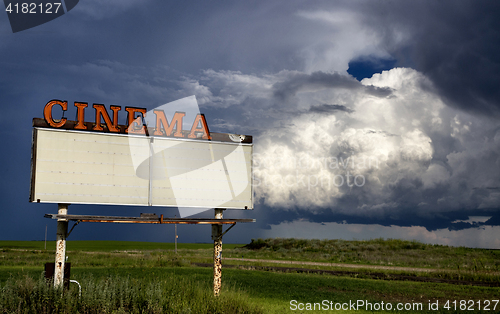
x,y
150,162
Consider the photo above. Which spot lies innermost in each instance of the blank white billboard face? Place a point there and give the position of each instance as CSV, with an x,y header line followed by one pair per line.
x,y
98,168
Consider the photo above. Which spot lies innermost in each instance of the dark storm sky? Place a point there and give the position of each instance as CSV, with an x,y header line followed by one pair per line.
x,y
298,76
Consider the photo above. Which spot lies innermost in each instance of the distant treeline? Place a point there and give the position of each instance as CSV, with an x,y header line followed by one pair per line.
x,y
315,245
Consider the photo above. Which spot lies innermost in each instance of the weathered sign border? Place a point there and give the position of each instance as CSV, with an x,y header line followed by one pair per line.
x,y
110,170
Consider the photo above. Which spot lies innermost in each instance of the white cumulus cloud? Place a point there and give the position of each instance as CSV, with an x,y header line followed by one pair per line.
x,y
385,146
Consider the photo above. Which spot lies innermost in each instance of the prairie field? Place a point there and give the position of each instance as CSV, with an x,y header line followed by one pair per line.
x,y
264,276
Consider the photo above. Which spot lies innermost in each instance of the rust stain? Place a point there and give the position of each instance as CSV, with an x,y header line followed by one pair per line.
x,y
217,266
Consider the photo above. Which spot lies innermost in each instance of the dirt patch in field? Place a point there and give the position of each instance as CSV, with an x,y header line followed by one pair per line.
x,y
368,275
408,269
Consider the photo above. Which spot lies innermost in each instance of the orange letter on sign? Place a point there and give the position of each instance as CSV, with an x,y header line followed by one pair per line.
x,y
100,110
135,125
162,120
80,113
200,118
47,113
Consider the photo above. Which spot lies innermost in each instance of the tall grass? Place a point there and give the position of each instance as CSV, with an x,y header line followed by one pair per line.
x,y
165,294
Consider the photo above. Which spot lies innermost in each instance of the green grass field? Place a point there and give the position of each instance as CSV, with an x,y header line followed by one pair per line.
x,y
137,277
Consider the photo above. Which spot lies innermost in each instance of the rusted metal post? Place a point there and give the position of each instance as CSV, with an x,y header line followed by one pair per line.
x,y
176,238
62,230
217,237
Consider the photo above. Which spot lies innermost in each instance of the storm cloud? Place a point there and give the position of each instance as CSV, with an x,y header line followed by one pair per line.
x,y
456,46
406,157
416,145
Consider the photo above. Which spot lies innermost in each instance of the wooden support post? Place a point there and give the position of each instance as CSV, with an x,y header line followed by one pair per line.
x,y
62,230
217,237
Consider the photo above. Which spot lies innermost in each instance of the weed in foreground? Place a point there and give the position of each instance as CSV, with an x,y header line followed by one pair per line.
x,y
121,295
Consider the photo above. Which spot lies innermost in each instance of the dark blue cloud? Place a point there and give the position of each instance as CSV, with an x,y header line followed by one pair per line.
x,y
456,45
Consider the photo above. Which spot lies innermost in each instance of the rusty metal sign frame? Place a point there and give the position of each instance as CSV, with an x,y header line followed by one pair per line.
x,y
147,220
63,218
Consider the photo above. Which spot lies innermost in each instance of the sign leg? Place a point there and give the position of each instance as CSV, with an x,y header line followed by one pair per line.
x,y
62,230
217,237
